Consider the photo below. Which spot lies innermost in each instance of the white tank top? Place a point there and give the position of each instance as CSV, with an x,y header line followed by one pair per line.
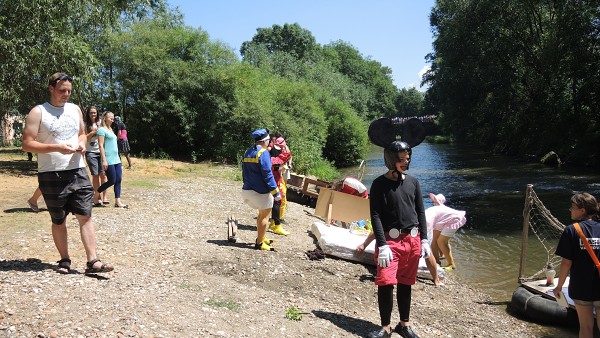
x,y
59,125
93,146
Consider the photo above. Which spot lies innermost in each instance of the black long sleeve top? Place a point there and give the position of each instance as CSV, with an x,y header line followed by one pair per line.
x,y
396,204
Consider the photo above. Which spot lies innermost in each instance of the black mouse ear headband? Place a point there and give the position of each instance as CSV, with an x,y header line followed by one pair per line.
x,y
383,131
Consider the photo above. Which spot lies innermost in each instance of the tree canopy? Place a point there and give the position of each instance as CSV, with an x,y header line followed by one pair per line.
x,y
188,97
518,77
40,37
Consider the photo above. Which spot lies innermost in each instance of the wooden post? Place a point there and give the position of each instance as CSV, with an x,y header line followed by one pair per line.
x,y
232,229
525,235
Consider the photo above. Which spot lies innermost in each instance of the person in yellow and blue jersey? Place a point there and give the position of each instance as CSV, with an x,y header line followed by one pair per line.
x,y
260,190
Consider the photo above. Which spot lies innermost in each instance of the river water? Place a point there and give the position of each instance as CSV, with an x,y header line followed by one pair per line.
x,y
491,189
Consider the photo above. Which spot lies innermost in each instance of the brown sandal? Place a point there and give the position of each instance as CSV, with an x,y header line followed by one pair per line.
x,y
101,269
64,266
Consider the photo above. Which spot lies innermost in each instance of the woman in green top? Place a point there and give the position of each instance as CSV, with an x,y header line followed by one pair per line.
x,y
111,162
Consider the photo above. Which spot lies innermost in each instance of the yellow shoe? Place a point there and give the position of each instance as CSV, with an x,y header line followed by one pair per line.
x,y
268,241
278,229
263,246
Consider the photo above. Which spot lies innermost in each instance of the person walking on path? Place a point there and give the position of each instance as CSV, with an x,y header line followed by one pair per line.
x,y
398,218
584,283
111,162
92,154
37,193
122,140
55,131
444,221
259,190
33,200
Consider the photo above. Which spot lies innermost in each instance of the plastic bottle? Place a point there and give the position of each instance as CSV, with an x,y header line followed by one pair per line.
x,y
354,228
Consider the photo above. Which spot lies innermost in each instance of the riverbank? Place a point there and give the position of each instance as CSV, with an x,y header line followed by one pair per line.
x,y
177,275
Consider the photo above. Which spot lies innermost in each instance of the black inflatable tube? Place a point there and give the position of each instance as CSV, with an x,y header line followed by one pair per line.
x,y
541,310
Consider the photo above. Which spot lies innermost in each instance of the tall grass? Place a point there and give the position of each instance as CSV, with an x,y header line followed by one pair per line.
x,y
324,170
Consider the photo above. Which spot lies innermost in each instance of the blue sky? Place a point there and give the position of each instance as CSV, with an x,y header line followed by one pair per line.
x,y
394,32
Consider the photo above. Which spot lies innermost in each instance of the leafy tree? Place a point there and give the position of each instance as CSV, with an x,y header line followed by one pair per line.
x,y
40,37
289,107
376,78
166,83
512,76
347,139
409,102
182,94
289,38
283,53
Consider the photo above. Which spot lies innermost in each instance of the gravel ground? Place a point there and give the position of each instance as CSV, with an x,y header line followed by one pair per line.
x,y
176,275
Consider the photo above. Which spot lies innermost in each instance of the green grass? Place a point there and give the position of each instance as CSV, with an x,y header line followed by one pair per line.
x,y
293,313
439,139
143,184
227,304
193,168
324,170
190,287
210,169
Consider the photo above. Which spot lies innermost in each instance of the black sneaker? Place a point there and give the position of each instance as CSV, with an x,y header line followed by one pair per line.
x,y
405,331
380,334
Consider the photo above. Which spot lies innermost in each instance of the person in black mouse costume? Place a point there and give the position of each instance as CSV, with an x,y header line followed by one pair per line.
x,y
398,218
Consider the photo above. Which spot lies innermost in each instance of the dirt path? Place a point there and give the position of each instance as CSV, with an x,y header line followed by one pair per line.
x,y
177,276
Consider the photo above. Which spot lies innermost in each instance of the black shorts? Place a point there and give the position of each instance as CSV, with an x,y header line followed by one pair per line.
x,y
68,191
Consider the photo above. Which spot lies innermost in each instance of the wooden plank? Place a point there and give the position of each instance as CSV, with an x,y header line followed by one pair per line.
x,y
296,181
539,287
311,187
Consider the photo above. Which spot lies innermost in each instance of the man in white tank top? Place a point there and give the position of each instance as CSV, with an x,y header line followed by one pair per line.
x,y
55,131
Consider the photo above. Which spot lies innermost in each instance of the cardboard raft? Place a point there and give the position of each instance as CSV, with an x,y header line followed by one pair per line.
x,y
341,243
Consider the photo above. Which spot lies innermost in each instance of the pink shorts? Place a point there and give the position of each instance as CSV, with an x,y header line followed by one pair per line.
x,y
406,251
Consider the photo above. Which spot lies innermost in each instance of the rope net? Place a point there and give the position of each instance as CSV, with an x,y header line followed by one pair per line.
x,y
547,230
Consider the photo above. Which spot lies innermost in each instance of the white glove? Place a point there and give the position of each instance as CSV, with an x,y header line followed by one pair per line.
x,y
385,256
425,248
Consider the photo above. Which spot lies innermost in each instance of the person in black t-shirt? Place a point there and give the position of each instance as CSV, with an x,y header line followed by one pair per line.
x,y
584,283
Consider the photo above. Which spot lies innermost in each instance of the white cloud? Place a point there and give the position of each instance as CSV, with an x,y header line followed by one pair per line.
x,y
423,71
417,83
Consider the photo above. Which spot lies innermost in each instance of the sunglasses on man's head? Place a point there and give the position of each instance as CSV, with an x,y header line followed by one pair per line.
x,y
60,78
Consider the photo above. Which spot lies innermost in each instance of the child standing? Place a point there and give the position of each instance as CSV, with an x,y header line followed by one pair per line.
x,y
398,218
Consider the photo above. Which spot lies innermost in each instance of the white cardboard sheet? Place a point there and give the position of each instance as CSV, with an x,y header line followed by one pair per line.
x,y
340,242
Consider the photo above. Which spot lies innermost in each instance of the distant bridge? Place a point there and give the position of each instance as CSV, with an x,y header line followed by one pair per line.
x,y
428,122
424,119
